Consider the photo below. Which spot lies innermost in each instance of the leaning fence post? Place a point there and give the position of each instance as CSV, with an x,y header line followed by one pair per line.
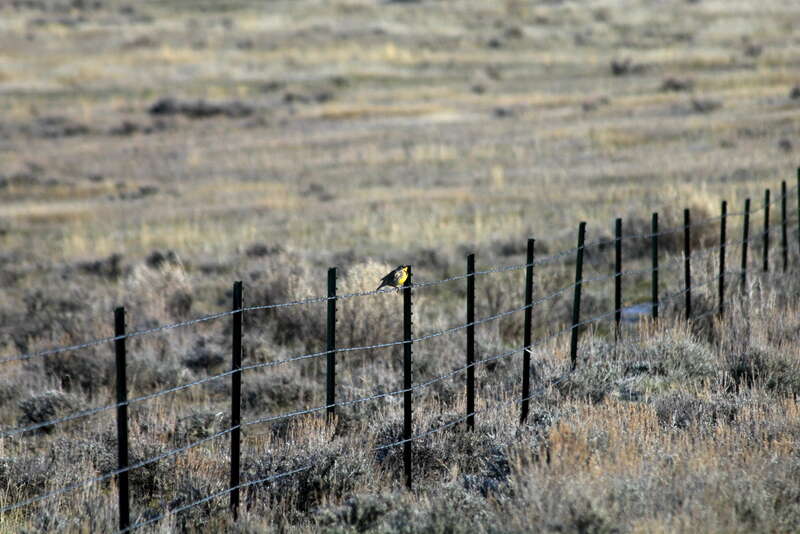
x,y
122,419
784,235
687,262
722,238
576,301
745,241
617,277
407,378
236,397
330,375
654,277
766,230
471,342
527,333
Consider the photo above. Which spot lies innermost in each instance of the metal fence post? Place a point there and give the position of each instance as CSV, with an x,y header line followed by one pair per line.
x,y
236,397
122,419
470,341
654,277
617,277
407,379
687,262
330,374
745,241
722,238
766,230
784,234
576,301
527,334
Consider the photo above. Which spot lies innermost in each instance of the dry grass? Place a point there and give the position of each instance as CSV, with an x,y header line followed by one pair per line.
x,y
367,134
661,432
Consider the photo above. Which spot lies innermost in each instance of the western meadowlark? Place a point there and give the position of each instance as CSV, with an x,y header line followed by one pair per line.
x,y
396,278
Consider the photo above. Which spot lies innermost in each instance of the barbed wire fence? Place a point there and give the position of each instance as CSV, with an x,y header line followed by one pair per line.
x,y
714,256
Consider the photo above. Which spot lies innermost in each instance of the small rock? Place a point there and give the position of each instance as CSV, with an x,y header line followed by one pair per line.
x,y
260,250
272,86
753,50
125,129
676,85
623,67
705,105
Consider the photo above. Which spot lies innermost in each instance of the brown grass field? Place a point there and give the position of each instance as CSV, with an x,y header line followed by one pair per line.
x,y
151,153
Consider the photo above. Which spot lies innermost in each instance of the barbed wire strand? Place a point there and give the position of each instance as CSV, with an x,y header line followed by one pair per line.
x,y
672,261
314,300
729,215
495,406
221,493
110,474
417,339
515,401
306,301
695,285
322,299
419,436
92,411
313,355
538,342
175,451
310,466
310,300
185,448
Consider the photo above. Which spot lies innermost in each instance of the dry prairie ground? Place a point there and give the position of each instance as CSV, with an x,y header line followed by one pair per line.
x,y
153,152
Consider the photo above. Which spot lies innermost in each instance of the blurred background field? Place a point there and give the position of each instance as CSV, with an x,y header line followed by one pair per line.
x,y
382,129
152,152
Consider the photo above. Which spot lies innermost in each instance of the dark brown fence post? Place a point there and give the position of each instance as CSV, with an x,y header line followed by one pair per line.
x,y
745,241
470,342
576,300
236,398
407,379
722,238
766,230
122,419
784,234
527,334
654,274
617,277
687,262
330,372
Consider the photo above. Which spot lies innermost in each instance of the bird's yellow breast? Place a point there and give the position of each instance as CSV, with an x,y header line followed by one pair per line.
x,y
403,275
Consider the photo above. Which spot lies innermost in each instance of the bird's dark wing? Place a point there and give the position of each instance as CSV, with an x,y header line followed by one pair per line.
x,y
387,280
